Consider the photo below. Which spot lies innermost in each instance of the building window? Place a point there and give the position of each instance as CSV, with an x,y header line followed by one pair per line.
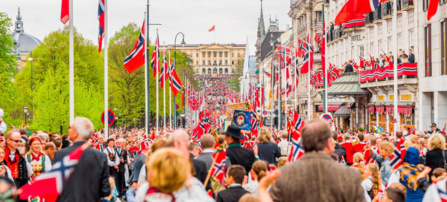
x,y
215,54
427,47
232,54
220,54
197,62
209,62
220,62
220,71
190,55
209,70
215,63
362,51
226,62
425,5
209,54
411,38
197,55
226,54
319,15
232,62
444,47
203,62
226,70
203,54
232,70
203,71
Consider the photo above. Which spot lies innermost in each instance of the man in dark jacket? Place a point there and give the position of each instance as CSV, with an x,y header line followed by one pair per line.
x,y
15,162
90,179
238,155
122,156
234,178
340,151
411,58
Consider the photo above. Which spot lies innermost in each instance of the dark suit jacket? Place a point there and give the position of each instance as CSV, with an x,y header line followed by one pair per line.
x,y
411,58
241,156
207,158
434,159
232,194
90,179
316,177
123,155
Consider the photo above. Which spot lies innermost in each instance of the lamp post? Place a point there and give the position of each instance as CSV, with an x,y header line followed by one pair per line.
x,y
25,110
272,43
31,60
175,54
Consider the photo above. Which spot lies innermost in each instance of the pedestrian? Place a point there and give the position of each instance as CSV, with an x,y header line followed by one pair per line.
x,y
394,193
258,171
15,162
123,159
349,149
284,145
4,170
49,150
39,161
303,180
372,182
112,160
207,141
238,155
233,179
436,156
89,182
267,150
385,151
140,161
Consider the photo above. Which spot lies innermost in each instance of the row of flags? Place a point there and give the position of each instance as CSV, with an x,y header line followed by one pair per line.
x,y
353,10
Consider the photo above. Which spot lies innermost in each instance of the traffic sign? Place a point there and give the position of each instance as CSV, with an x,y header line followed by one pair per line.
x,y
111,117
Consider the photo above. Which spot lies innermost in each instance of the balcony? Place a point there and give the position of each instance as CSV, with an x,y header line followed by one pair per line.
x,y
407,5
387,9
406,72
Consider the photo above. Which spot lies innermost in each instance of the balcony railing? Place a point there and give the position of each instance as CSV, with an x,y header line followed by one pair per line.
x,y
405,69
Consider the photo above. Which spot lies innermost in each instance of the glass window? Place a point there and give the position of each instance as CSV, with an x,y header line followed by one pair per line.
x,y
209,62
220,54
203,54
427,47
203,62
215,54
362,50
319,15
232,62
203,71
197,55
209,54
197,62
226,62
226,54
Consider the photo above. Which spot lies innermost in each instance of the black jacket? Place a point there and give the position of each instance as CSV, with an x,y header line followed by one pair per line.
x,y
90,179
23,171
241,156
232,194
340,151
434,159
411,58
269,152
123,155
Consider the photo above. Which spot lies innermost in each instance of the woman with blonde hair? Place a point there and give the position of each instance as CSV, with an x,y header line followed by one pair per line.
x,y
168,171
385,150
359,164
267,150
435,156
258,171
39,161
372,182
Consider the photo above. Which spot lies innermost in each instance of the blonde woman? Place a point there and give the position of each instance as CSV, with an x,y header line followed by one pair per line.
x,y
372,182
39,161
385,151
267,150
435,156
358,163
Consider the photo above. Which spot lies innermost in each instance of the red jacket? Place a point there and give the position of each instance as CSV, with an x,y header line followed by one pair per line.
x,y
349,151
360,147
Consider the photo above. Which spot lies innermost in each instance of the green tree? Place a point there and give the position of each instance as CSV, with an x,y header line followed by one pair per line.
x,y
234,82
7,68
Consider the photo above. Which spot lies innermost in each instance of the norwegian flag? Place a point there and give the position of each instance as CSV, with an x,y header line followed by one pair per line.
x,y
397,158
50,184
288,89
254,123
388,59
155,55
164,71
372,61
65,10
135,59
299,122
218,169
101,13
174,80
364,63
308,59
297,150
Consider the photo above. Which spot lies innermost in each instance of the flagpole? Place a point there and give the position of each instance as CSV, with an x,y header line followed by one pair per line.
x,y
71,61
164,88
279,92
308,75
145,81
157,84
170,99
296,75
325,99
147,110
106,73
395,63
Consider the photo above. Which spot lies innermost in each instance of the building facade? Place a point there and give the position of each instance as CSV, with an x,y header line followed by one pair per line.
x,y
212,59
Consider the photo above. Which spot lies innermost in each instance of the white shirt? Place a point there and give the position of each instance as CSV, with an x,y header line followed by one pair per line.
x,y
284,146
111,151
367,185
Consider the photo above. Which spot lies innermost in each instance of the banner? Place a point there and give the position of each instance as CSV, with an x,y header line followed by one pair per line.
x,y
242,119
408,69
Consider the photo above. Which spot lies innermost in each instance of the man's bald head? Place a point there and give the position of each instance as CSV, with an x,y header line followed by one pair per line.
x,y
207,141
315,135
180,135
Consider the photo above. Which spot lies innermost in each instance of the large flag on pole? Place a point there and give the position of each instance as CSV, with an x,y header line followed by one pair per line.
x,y
101,9
308,58
135,59
174,80
432,8
354,8
49,185
65,10
164,71
212,28
155,55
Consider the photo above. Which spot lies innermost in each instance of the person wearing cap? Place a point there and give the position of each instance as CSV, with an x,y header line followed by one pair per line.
x,y
39,161
238,155
434,128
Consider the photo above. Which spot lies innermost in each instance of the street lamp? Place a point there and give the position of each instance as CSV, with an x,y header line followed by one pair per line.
x,y
184,78
25,109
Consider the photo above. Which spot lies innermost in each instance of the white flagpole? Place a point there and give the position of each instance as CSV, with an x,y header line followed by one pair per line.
x,y
164,89
308,76
326,66
106,73
170,99
146,77
157,84
296,76
71,61
395,63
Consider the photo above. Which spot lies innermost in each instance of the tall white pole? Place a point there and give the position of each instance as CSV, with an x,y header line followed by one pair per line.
x,y
164,89
71,61
106,73
308,77
395,63
157,84
296,76
170,99
326,65
146,77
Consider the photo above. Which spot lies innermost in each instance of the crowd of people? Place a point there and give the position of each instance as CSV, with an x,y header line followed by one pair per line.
x,y
173,166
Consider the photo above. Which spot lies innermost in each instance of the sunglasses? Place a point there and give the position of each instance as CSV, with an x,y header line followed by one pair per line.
x,y
16,141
